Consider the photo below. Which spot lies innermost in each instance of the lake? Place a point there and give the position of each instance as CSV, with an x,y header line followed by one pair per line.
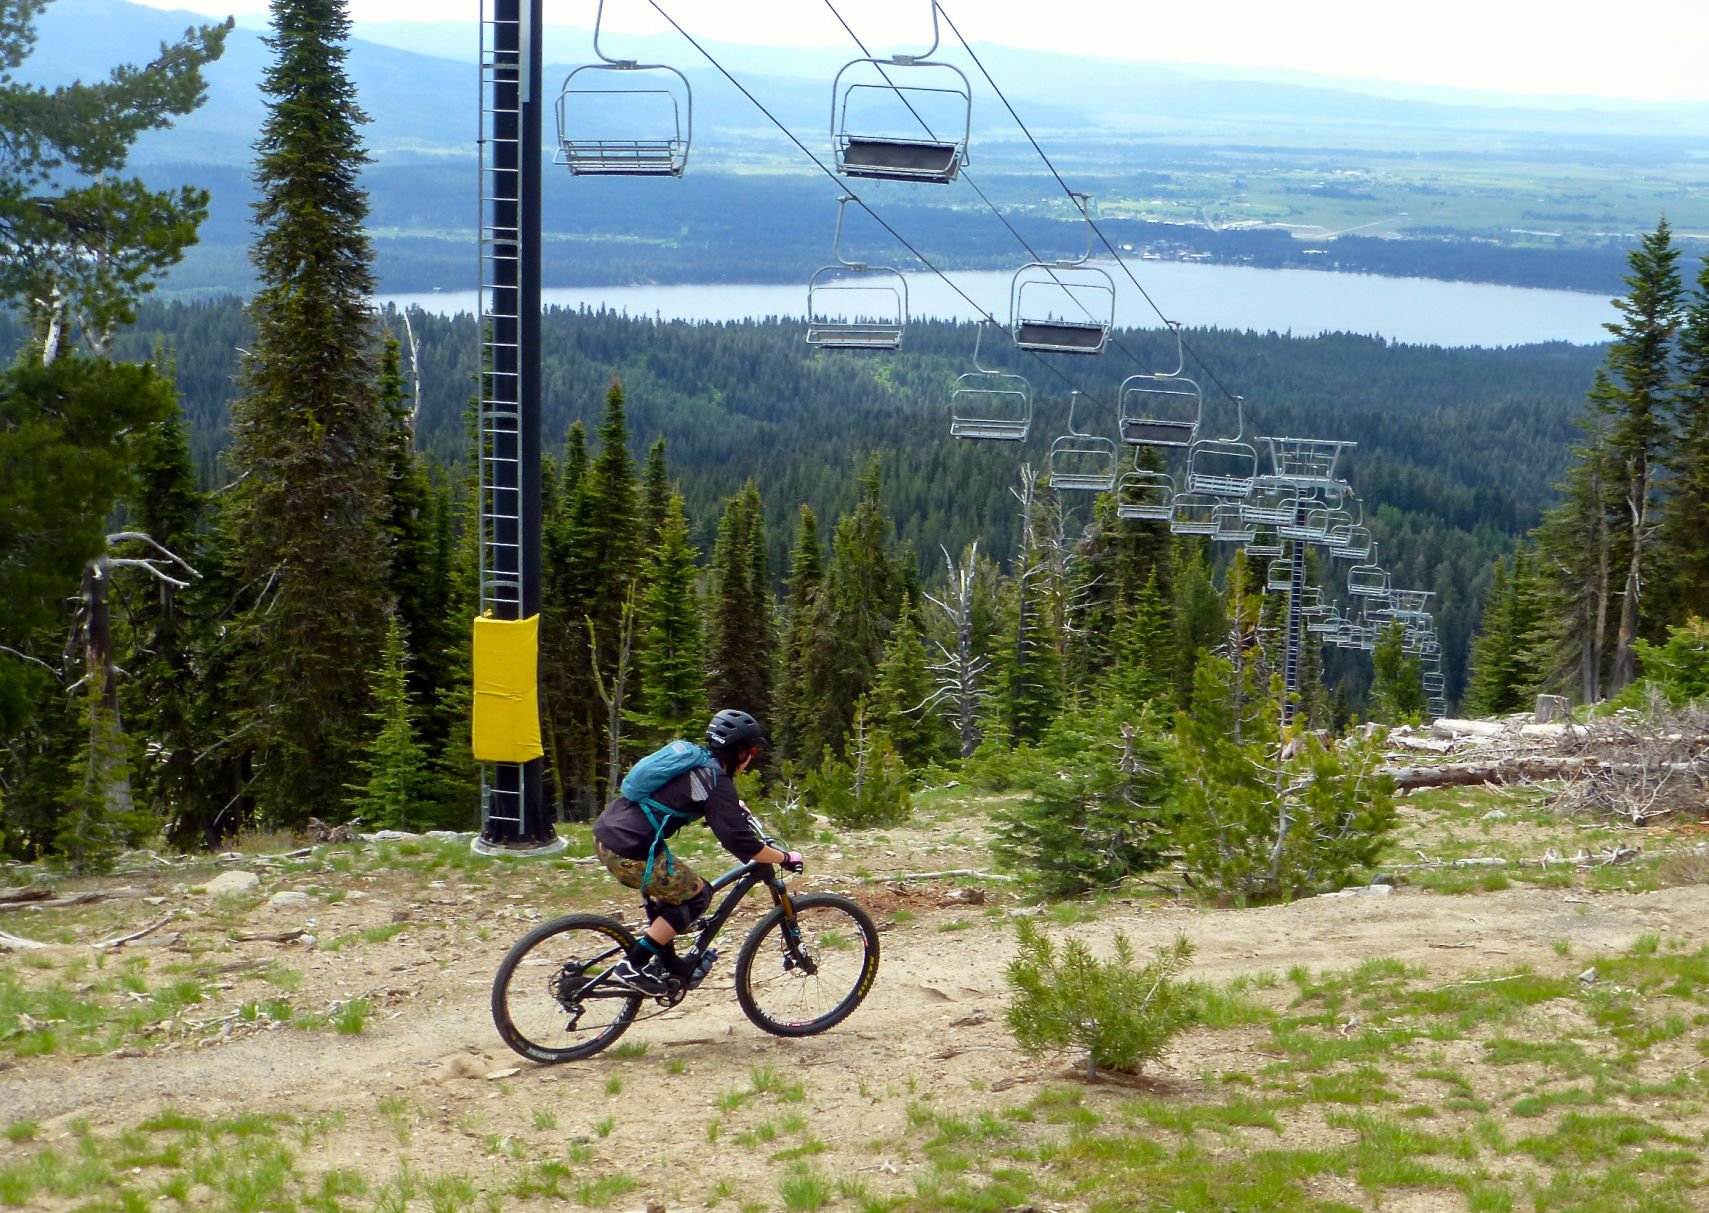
x,y
1413,311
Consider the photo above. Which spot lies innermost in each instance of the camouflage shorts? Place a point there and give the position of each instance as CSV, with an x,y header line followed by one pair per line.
x,y
673,882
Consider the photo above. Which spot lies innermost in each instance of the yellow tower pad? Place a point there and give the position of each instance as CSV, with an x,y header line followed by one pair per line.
x,y
507,690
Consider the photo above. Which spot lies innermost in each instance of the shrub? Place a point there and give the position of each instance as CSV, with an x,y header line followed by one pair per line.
x,y
869,787
1679,667
1098,780
1123,1014
1255,827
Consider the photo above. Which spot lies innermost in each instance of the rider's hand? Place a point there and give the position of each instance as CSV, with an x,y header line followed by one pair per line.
x,y
794,861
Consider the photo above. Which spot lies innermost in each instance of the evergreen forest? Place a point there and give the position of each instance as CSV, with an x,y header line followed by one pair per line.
x,y
238,538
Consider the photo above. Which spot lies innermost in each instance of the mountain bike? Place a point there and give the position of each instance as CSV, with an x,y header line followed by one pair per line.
x,y
804,968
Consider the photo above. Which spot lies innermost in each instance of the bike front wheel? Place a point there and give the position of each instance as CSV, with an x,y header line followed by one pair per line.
x,y
799,975
552,998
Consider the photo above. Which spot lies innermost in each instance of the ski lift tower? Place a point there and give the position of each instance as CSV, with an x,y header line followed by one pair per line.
x,y
1307,466
513,812
615,118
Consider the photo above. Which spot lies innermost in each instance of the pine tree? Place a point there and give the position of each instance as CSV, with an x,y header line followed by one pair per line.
x,y
397,792
806,571
1142,671
1032,674
962,637
158,697
1503,674
1096,814
599,565
1685,514
850,618
1397,686
1197,623
90,829
866,785
902,694
672,688
419,529
1635,399
310,438
1569,646
80,243
655,494
739,650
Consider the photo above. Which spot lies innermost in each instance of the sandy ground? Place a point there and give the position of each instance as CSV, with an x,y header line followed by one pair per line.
x,y
429,1080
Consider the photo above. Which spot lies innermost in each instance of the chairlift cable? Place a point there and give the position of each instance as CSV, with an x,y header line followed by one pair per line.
x,y
842,187
967,177
1105,240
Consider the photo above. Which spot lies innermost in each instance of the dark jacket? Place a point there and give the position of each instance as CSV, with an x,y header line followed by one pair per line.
x,y
702,792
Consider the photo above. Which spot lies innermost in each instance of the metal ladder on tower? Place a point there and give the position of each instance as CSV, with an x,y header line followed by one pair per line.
x,y
503,62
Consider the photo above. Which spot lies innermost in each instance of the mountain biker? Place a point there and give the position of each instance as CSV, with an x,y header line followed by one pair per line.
x,y
630,841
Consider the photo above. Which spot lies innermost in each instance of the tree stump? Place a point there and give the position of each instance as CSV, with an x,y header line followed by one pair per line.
x,y
1551,708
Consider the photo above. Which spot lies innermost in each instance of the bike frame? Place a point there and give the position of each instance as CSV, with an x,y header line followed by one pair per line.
x,y
740,881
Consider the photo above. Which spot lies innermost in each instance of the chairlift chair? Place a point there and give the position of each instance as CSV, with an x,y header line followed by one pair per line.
x,y
1412,603
1325,624
1145,495
1265,543
1194,514
988,404
1356,544
1163,408
1080,462
638,122
1308,462
1280,577
855,306
1273,502
1063,307
1368,580
1310,525
1224,467
915,85
1232,525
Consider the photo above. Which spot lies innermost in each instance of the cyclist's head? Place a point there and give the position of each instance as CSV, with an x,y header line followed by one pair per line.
x,y
733,736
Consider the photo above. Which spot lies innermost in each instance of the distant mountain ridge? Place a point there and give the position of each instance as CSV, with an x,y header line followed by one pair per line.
x,y
753,209
416,81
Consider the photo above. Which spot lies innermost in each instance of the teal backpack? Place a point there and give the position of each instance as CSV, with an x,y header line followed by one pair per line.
x,y
654,772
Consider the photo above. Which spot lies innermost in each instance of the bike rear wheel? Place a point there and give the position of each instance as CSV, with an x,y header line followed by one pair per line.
x,y
800,976
552,1000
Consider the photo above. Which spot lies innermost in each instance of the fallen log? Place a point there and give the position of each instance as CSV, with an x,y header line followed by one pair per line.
x,y
1505,770
12,897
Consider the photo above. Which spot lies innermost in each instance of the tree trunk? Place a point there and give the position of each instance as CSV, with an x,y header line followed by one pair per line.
x,y
106,748
1625,654
1599,631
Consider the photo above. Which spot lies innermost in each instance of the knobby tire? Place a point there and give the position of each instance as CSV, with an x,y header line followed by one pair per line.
x,y
535,1003
786,997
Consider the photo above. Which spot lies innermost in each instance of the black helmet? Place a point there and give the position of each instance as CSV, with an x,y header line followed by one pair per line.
x,y
733,727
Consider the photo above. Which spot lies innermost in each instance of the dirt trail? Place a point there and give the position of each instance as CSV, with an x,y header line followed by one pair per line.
x,y
934,1017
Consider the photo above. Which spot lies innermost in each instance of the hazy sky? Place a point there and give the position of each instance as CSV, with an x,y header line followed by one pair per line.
x,y
1643,49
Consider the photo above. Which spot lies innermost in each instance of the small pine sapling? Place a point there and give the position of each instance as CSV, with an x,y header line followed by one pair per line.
x,y
399,781
1121,1013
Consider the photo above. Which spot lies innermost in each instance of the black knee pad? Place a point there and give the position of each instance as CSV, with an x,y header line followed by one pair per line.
x,y
681,917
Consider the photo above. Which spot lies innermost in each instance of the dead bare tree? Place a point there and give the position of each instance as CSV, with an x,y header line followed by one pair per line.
x,y
959,671
613,693
92,632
